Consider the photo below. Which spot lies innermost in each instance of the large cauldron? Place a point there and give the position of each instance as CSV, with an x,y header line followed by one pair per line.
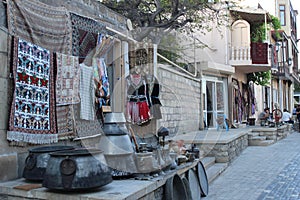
x,y
78,169
36,161
116,145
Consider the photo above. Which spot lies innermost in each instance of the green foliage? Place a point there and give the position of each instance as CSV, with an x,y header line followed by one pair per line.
x,y
297,87
183,15
258,33
276,25
260,78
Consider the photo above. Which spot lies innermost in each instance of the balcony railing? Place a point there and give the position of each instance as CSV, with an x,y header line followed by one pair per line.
x,y
283,70
256,53
240,56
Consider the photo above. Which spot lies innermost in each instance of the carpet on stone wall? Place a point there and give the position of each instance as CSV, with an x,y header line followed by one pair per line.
x,y
32,116
41,24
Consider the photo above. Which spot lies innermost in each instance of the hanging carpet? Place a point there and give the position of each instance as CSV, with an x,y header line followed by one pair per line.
x,y
32,116
44,25
67,79
65,122
85,35
85,32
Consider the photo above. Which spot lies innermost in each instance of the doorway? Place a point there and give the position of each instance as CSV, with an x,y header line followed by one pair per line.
x,y
214,100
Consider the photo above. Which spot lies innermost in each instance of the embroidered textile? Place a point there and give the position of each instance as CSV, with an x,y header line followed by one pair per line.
x,y
32,117
100,73
153,100
137,111
86,127
67,79
85,35
87,92
44,25
65,122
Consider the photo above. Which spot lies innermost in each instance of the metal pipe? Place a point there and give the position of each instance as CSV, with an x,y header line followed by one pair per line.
x,y
174,64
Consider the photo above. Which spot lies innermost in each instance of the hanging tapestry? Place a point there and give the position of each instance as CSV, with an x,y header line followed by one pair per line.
x,y
67,79
104,44
65,122
87,92
85,35
32,116
41,24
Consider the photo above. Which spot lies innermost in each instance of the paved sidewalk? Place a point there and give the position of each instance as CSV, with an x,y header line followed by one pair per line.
x,y
269,172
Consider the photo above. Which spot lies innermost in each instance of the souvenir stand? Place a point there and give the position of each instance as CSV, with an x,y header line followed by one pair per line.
x,y
71,86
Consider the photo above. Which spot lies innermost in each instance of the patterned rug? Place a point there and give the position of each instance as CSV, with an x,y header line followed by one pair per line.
x,y
32,116
65,122
47,26
67,79
85,35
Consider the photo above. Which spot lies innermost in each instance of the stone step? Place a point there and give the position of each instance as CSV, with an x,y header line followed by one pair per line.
x,y
258,138
215,170
208,161
260,142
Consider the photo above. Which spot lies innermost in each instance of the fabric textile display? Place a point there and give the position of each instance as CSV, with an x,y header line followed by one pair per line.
x,y
85,33
104,44
153,100
100,73
87,92
32,116
67,79
65,122
41,24
137,108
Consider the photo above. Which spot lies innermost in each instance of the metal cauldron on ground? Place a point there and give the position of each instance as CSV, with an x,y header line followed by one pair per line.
x,y
36,161
78,169
117,146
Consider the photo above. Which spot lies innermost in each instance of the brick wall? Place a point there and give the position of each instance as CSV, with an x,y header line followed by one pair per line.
x,y
180,96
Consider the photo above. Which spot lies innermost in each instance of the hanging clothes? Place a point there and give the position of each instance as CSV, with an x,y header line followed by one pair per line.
x,y
137,110
87,91
153,100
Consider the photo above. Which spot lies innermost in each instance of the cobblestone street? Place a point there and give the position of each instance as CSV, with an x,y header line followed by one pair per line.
x,y
262,172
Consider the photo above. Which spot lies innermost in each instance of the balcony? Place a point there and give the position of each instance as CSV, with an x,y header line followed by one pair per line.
x,y
282,71
295,74
254,58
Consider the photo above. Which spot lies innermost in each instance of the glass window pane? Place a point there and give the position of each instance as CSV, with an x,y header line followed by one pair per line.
x,y
209,93
220,97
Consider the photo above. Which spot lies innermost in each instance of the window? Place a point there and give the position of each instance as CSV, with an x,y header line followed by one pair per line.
x,y
282,15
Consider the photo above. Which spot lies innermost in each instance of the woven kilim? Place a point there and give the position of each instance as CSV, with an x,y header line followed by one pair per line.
x,y
85,35
41,24
32,116
67,79
65,122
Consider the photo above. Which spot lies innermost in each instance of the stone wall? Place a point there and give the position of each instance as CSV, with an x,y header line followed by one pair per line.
x,y
180,96
225,152
12,158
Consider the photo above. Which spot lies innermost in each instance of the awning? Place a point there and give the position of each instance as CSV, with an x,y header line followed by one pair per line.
x,y
252,15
